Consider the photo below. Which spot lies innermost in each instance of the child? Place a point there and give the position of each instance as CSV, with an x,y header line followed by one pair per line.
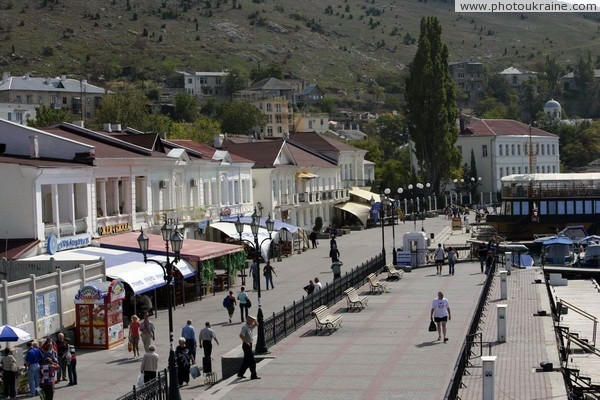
x,y
72,366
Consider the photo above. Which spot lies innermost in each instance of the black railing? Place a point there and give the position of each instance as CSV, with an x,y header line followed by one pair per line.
x,y
467,348
156,389
282,324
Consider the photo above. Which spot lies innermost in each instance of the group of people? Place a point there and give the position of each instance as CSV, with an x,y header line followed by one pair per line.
x,y
268,272
46,365
441,255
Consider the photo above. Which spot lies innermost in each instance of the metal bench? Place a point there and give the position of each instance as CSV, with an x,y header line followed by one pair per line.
x,y
353,300
393,272
376,285
324,319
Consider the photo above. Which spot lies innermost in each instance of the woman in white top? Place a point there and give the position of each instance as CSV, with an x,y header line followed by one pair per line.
x,y
440,313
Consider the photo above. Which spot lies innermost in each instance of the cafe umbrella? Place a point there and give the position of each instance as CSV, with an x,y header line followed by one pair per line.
x,y
12,334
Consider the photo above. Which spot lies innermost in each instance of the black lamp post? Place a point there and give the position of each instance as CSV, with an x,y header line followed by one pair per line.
x,y
172,235
387,192
261,346
412,203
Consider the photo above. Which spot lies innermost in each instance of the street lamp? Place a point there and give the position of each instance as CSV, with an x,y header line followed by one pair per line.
x,y
421,187
382,217
172,235
387,192
412,203
261,346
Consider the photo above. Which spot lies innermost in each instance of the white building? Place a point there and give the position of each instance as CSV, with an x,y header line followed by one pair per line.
x,y
504,147
516,77
18,113
205,84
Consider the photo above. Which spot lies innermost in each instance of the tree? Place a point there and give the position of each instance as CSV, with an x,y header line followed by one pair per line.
x,y
186,108
236,80
430,106
272,71
126,107
389,129
45,116
203,130
553,71
241,117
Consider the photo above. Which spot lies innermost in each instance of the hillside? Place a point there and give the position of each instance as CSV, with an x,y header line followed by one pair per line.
x,y
340,44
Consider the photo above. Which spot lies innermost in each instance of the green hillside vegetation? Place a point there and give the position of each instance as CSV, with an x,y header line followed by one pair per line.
x,y
343,45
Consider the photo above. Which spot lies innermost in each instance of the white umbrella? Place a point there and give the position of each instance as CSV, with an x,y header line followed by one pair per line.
x,y
13,334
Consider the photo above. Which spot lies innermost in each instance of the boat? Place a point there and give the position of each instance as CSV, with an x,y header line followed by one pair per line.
x,y
591,258
544,204
518,255
559,251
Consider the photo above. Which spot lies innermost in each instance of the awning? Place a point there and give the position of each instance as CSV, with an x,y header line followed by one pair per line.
x,y
279,224
364,194
202,249
127,266
306,175
228,228
357,209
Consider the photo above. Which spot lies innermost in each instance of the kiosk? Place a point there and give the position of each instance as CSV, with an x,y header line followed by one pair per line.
x,y
99,315
415,250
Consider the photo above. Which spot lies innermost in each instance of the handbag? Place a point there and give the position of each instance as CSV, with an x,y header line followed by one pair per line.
x,y
432,326
129,345
248,302
140,380
194,371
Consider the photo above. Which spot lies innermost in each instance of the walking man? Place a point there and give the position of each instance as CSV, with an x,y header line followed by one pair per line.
x,y
147,332
206,337
149,364
255,277
334,253
249,361
439,258
336,267
62,348
189,333
491,253
313,239
268,272
440,313
242,297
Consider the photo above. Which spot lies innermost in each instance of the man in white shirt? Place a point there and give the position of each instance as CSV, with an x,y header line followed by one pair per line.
x,y
247,339
440,313
206,337
439,258
318,286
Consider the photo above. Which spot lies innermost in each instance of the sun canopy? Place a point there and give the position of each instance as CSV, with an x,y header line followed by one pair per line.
x,y
364,194
361,211
306,175
228,228
558,240
125,265
279,224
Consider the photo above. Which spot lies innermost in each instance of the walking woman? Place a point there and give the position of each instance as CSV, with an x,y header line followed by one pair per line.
x,y
134,335
183,362
231,305
440,313
10,369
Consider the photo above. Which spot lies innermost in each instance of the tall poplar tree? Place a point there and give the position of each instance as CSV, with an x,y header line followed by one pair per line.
x,y
430,106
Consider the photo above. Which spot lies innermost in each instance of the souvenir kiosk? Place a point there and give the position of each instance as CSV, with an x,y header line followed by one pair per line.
x,y
99,315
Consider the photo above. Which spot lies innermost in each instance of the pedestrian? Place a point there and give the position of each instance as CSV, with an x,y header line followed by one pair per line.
x,y
336,267
149,364
313,239
32,360
48,376
147,332
189,334
332,242
255,277
182,355
318,286
452,257
268,272
146,304
334,253
439,258
491,254
206,337
62,346
249,361
73,367
440,313
229,303
482,254
310,288
10,370
242,296
49,349
134,335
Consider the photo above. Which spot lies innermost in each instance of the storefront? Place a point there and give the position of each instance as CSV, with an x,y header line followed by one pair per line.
x,y
99,315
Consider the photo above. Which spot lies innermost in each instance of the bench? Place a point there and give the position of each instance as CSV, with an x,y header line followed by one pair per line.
x,y
376,285
324,319
354,300
393,272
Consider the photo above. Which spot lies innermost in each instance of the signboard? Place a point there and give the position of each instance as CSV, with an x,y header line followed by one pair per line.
x,y
456,224
55,244
89,295
112,229
117,290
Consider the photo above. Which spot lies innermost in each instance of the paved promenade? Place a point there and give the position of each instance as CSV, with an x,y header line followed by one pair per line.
x,y
384,351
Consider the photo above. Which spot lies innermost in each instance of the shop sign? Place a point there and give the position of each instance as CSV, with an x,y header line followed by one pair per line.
x,y
117,290
226,211
54,244
90,295
112,229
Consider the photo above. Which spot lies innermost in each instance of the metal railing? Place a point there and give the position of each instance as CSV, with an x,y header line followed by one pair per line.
x,y
156,389
562,303
467,347
282,324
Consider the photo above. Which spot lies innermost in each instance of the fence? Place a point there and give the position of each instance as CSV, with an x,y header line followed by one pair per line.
x,y
156,389
282,324
472,336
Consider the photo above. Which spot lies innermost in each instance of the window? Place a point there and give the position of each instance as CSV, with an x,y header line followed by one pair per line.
x,y
484,150
500,173
518,149
270,131
552,208
202,80
543,207
518,170
53,100
190,81
537,169
500,150
579,207
9,116
512,149
587,207
553,150
537,149
548,149
269,107
554,169
18,99
278,118
525,149
217,80
597,206
270,118
570,207
29,99
279,129
560,207
461,74
526,170
40,100
506,149
543,148
310,124
543,169
513,170
278,107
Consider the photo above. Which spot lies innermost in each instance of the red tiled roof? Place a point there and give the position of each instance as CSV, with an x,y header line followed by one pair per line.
x,y
15,248
148,141
501,127
206,150
43,162
264,153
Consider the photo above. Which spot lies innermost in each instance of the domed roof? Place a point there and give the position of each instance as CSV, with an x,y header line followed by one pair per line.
x,y
552,104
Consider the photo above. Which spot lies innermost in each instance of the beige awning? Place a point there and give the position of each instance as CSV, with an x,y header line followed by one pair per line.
x,y
307,175
364,194
360,210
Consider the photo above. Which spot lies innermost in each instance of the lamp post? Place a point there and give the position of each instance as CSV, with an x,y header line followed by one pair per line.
x,y
172,235
387,192
261,346
382,217
422,187
412,203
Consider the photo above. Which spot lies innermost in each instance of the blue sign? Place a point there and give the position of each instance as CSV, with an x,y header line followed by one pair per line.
x,y
52,244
